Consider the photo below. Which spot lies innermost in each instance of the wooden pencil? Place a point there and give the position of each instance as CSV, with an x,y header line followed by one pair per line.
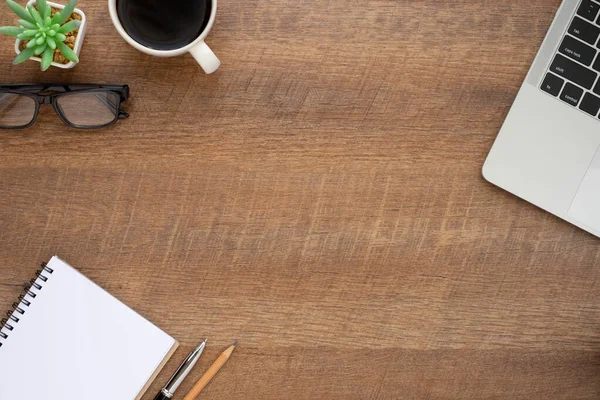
x,y
210,373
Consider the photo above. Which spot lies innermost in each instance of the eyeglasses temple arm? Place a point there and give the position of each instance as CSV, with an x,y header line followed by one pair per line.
x,y
123,114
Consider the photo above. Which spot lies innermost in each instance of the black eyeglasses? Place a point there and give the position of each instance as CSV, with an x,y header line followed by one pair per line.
x,y
80,106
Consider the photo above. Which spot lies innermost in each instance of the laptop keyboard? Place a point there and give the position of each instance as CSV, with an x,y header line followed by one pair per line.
x,y
573,74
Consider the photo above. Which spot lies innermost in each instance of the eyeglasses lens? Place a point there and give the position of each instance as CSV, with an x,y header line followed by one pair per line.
x,y
92,109
16,110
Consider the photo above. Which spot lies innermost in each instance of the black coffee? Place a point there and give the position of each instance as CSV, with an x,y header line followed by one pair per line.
x,y
162,24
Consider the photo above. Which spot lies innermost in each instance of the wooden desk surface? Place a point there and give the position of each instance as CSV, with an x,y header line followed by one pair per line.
x,y
320,199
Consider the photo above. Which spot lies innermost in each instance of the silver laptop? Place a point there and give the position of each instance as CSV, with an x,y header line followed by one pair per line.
x,y
548,150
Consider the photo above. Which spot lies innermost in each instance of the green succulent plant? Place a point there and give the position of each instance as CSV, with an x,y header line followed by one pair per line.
x,y
44,32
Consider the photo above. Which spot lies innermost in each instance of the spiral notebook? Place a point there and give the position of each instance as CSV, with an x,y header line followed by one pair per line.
x,y
68,339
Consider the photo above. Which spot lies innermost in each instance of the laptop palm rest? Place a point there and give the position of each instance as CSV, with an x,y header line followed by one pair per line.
x,y
586,205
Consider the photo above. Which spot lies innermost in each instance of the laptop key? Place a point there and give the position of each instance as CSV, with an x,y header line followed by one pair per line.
x,y
588,9
577,50
597,88
590,104
571,94
552,84
584,30
596,65
573,72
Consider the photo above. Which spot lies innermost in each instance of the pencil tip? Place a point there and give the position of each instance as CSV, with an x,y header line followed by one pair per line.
x,y
235,343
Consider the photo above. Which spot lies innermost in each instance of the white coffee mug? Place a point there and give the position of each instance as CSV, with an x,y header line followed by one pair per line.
x,y
198,48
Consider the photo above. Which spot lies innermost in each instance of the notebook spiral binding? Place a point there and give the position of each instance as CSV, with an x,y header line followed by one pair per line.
x,y
18,308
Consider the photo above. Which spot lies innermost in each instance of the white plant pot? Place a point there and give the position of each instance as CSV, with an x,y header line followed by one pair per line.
x,y
78,41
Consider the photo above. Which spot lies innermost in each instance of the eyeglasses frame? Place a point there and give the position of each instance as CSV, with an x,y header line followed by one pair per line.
x,y
33,90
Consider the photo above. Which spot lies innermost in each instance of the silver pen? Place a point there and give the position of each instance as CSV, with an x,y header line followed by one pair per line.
x,y
184,369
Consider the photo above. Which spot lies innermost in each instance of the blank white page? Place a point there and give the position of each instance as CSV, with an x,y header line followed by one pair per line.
x,y
77,342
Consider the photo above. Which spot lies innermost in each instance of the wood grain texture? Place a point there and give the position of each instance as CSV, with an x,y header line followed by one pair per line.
x,y
320,199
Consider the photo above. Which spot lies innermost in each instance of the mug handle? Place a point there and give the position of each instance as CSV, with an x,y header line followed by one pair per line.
x,y
205,57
